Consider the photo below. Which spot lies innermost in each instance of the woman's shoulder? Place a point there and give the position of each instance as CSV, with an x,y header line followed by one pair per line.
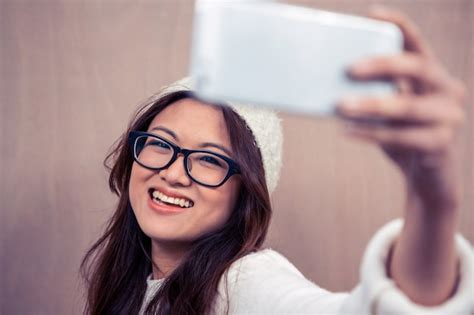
x,y
265,281
265,265
267,259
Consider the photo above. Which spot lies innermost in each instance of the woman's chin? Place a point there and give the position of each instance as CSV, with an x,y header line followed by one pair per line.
x,y
170,240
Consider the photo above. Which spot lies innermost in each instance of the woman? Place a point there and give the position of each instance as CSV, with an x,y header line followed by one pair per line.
x,y
194,181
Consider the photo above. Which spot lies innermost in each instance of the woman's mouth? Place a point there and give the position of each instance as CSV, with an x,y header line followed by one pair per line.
x,y
160,198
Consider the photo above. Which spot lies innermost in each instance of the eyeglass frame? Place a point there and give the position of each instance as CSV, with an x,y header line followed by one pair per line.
x,y
132,140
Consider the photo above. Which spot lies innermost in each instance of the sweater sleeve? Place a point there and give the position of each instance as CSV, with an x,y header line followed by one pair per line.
x,y
267,283
378,294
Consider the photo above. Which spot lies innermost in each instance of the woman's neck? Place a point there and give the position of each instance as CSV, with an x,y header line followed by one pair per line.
x,y
166,257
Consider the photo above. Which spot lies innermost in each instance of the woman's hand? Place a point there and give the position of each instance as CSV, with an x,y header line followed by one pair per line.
x,y
422,123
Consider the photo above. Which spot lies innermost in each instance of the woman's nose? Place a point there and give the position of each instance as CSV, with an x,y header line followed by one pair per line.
x,y
175,174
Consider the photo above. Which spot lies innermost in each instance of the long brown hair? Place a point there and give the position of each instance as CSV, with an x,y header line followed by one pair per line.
x,y
115,268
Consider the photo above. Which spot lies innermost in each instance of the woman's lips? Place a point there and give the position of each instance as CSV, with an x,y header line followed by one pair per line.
x,y
162,207
169,197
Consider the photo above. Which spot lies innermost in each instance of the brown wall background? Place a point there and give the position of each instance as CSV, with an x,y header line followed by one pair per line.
x,y
72,72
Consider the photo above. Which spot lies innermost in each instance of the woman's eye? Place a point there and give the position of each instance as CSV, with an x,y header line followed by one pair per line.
x,y
210,159
160,144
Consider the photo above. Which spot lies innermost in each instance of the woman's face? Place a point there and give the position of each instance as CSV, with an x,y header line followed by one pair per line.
x,y
189,124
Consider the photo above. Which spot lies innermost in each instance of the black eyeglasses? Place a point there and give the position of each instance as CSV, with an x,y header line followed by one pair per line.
x,y
206,168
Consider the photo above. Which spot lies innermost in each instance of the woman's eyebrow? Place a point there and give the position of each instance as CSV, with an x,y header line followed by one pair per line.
x,y
202,145
168,131
215,145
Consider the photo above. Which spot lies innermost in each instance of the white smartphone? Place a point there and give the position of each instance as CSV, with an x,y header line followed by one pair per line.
x,y
282,56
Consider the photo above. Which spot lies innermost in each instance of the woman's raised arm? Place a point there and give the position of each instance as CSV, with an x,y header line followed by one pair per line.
x,y
424,119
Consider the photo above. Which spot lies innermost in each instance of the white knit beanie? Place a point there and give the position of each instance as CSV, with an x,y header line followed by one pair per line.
x,y
264,124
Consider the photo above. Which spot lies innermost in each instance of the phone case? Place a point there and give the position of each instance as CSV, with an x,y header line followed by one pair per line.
x,y
287,57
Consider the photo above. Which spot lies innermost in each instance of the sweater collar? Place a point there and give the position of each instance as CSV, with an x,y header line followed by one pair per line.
x,y
153,282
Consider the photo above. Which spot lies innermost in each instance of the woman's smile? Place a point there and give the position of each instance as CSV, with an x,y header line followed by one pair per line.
x,y
165,204
165,196
161,207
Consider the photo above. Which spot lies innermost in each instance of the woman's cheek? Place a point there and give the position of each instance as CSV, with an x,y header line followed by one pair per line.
x,y
220,204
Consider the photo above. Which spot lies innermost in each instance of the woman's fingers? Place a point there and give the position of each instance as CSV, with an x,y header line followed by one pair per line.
x,y
417,63
423,139
429,109
414,41
426,113
406,65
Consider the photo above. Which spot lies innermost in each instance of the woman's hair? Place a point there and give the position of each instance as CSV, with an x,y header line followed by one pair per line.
x,y
117,265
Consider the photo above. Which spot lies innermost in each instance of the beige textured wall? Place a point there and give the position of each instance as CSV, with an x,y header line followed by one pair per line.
x,y
72,73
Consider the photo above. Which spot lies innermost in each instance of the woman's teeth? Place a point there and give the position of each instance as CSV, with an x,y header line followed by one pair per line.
x,y
157,195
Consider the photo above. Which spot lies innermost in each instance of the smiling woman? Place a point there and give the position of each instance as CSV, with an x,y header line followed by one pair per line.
x,y
194,181
72,71
184,215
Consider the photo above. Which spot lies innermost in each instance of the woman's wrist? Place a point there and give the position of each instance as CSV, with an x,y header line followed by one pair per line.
x,y
423,259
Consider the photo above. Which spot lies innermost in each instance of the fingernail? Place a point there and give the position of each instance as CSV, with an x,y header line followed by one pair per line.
x,y
360,67
351,103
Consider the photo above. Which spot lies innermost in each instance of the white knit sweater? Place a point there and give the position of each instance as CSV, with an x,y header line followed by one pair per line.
x,y
267,283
